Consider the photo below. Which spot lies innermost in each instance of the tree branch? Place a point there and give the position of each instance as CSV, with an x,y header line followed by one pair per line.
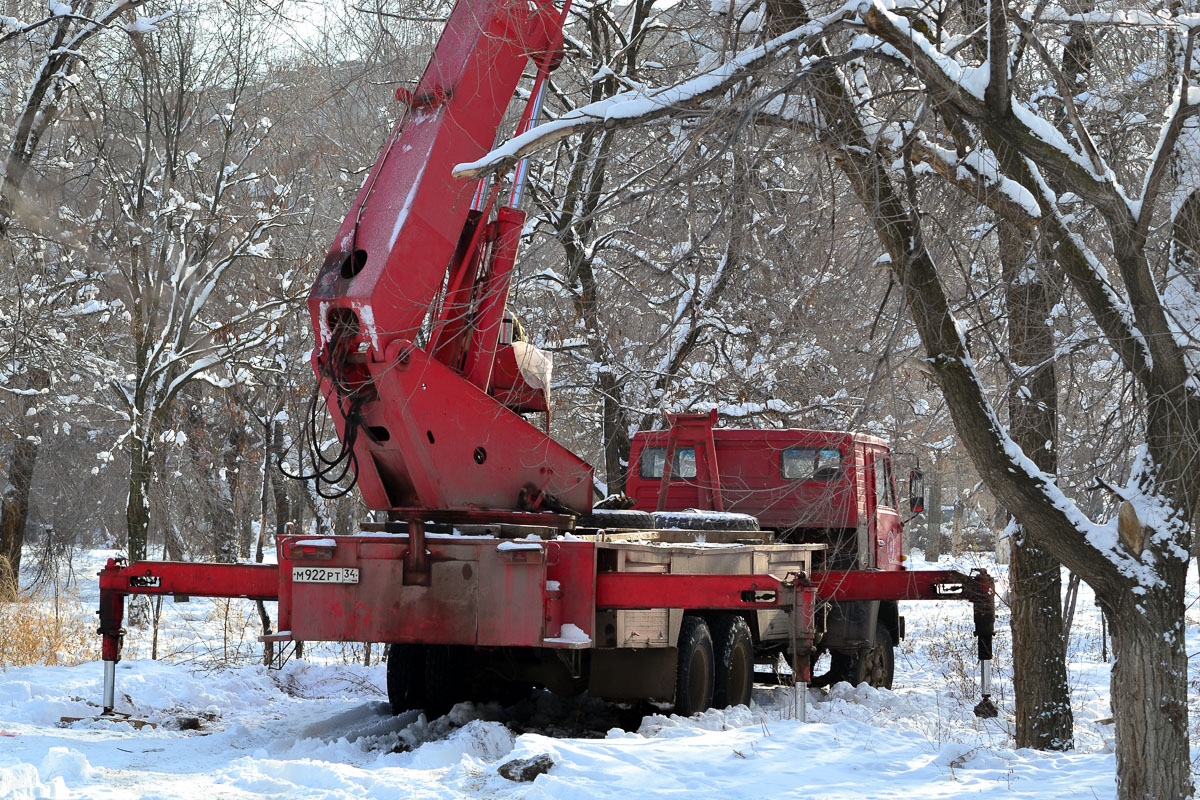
x,y
640,107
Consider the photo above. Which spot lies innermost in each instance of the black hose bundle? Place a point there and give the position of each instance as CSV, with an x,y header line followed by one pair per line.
x,y
328,472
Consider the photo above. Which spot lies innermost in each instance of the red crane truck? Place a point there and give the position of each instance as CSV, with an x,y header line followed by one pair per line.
x,y
835,489
492,571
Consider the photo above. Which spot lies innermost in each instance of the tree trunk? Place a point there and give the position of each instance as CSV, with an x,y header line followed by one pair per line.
x,y
1149,692
15,511
232,509
1003,551
137,508
14,501
933,516
1185,262
1043,700
956,528
319,508
343,520
616,434
279,489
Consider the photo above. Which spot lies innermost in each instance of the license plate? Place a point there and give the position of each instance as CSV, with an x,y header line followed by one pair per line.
x,y
325,574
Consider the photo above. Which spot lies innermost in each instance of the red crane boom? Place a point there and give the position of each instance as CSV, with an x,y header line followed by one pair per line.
x,y
409,303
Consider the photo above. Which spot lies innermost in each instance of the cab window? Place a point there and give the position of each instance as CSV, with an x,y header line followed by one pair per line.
x,y
683,466
884,493
811,464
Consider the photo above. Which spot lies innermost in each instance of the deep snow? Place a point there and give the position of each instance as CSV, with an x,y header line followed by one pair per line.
x,y
323,729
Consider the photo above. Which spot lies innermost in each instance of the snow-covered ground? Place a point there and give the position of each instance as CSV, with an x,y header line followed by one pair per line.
x,y
322,728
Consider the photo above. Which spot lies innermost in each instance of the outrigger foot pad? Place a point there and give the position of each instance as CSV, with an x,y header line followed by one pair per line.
x,y
986,709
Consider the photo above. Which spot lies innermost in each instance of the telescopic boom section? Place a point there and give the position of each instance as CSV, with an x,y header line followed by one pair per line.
x,y
409,305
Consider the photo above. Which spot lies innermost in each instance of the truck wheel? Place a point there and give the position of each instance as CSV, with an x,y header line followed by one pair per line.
x,y
733,648
447,678
406,677
506,693
875,666
694,676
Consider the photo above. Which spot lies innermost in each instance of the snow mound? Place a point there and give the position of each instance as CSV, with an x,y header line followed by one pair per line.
x,y
22,782
39,701
478,741
60,766
67,764
713,719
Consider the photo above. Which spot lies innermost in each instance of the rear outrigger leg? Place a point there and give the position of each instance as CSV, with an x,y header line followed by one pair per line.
x,y
112,612
803,623
984,602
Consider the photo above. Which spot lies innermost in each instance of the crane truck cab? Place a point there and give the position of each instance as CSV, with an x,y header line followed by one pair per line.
x,y
833,488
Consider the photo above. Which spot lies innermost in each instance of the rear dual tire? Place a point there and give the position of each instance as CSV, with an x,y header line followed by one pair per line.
x,y
429,678
734,649
696,672
406,677
716,666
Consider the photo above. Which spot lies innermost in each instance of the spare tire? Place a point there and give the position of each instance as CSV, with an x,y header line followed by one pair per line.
x,y
616,518
694,519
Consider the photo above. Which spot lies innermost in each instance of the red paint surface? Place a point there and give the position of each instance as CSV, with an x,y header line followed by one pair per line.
x,y
741,470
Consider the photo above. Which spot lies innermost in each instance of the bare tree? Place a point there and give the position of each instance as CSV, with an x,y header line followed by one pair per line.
x,y
971,127
186,210
43,54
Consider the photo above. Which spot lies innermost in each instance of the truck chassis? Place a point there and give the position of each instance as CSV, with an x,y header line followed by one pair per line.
x,y
622,616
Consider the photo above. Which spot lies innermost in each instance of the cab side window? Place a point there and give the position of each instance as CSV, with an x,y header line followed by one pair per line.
x,y
884,494
683,466
811,464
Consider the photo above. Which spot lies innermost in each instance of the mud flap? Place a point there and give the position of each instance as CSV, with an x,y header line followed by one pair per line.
x,y
850,626
628,674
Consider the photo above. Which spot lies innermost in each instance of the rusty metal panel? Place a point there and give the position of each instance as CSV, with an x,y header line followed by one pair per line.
x,y
380,608
321,611
511,587
477,592
645,628
573,566
383,549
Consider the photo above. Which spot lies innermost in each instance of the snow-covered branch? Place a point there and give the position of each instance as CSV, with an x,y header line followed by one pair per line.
x,y
637,107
